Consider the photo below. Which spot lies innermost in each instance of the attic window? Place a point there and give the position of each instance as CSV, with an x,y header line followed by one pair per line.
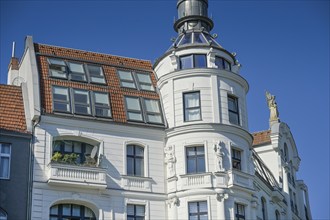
x,y
77,71
143,110
135,80
57,68
95,74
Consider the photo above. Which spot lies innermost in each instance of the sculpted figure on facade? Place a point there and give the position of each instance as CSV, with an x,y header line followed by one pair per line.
x,y
170,160
272,105
219,155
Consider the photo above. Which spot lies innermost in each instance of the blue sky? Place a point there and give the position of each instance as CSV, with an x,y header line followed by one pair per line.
x,y
282,45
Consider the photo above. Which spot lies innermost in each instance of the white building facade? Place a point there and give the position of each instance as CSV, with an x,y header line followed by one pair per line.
x,y
115,138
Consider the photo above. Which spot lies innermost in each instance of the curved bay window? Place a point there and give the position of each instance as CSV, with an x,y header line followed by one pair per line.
x,y
74,152
71,211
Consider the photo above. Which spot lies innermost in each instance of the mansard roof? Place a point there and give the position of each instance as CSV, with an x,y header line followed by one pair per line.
x,y
110,64
12,115
261,137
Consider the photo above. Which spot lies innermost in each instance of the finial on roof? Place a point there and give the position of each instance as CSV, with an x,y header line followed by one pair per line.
x,y
272,105
13,50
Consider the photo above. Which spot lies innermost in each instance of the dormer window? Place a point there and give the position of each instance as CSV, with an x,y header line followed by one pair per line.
x,y
135,80
57,68
76,71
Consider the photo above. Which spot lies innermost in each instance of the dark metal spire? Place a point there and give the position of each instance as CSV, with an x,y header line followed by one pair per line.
x,y
192,14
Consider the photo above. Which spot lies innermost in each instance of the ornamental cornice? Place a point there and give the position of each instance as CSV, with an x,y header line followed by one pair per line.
x,y
210,127
204,72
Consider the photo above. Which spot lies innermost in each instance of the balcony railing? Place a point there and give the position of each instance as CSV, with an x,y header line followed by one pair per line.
x,y
81,176
240,179
191,181
136,183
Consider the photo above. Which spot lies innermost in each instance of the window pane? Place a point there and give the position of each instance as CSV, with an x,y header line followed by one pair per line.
x,y
133,103
192,115
233,118
58,71
95,70
154,119
191,165
130,209
191,151
198,38
77,147
130,166
200,60
125,75
5,148
193,207
75,210
147,87
66,209
139,167
200,164
139,151
54,210
81,96
219,62
139,210
187,39
4,167
68,146
227,65
76,67
152,105
232,103
130,150
135,116
102,112
186,62
97,79
101,98
145,78
191,99
60,93
202,206
88,212
128,84
56,61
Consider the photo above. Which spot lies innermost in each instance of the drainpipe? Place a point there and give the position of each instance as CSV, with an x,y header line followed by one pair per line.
x,y
31,156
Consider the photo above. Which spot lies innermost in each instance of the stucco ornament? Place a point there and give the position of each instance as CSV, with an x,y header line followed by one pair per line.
x,y
170,160
219,155
272,105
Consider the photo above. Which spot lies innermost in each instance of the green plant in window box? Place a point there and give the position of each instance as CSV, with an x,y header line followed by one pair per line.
x,y
70,158
57,157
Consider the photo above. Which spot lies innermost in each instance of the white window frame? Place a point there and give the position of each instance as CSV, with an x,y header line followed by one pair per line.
x,y
7,155
243,166
186,108
198,199
145,157
145,203
238,109
194,144
135,80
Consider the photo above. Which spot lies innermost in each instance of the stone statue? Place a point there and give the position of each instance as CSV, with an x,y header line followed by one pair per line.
x,y
219,155
170,160
274,114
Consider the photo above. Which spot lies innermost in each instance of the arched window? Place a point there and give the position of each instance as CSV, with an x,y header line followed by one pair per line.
x,y
3,215
135,160
263,208
71,211
286,153
277,215
74,152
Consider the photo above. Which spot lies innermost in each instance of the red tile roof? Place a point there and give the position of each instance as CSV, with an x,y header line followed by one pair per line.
x,y
12,115
261,137
109,63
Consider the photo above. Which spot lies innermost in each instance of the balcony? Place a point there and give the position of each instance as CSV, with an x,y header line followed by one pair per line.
x,y
136,183
76,176
238,178
198,180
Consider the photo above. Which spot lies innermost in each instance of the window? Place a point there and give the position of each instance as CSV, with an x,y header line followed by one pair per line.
x,y
277,215
223,64
135,212
233,110
82,150
57,68
195,159
192,106
130,79
61,99
133,109
5,152
71,211
197,210
263,208
3,215
239,212
135,161
193,61
236,159
149,112
126,79
153,113
83,104
286,153
77,71
95,74
101,104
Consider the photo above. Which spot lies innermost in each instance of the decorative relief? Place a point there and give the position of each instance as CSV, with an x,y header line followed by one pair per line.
x,y
170,160
173,202
219,155
222,196
272,105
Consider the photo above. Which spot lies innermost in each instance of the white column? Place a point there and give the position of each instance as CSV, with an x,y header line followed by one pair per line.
x,y
254,207
221,211
286,191
172,208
